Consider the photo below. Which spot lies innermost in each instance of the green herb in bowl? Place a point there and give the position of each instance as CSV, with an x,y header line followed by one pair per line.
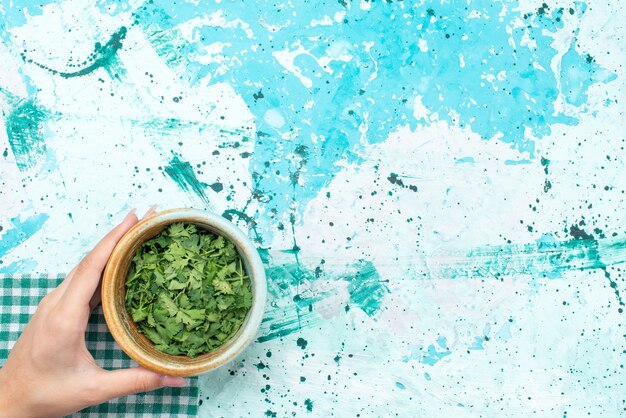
x,y
187,290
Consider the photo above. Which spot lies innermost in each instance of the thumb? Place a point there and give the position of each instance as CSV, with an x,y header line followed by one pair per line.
x,y
123,382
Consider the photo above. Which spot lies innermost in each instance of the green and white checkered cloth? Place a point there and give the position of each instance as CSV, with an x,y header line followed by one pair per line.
x,y
19,297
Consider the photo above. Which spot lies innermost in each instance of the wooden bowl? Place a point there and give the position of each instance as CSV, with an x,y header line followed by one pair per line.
x,y
124,329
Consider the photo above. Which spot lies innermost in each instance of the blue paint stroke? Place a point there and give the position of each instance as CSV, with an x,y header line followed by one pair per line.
x,y
414,354
442,342
400,386
464,160
578,72
20,266
505,331
547,243
432,355
479,341
517,162
20,231
15,15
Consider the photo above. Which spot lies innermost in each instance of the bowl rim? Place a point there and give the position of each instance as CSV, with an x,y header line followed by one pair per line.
x,y
168,364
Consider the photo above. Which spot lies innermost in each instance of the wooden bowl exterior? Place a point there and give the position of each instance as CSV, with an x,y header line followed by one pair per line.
x,y
124,329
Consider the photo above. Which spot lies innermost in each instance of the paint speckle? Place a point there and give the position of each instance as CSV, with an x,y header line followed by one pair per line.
x,y
217,187
302,343
309,405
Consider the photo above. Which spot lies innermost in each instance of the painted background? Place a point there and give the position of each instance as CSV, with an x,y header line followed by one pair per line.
x,y
437,187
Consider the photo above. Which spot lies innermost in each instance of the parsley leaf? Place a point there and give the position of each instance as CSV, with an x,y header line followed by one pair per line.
x,y
187,290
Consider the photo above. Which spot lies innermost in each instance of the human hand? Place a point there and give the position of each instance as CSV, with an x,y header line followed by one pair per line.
x,y
49,371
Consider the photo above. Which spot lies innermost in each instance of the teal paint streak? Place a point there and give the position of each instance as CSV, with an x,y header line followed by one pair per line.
x,y
400,386
286,320
538,259
184,176
25,124
594,255
284,278
19,231
169,45
366,288
547,258
103,56
293,308
162,127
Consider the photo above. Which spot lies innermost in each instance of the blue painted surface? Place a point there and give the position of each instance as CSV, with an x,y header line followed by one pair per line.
x,y
344,91
436,190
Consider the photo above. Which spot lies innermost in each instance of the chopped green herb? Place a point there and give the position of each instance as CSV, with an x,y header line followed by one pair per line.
x,y
187,290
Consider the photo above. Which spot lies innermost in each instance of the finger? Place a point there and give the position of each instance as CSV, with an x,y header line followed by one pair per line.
x,y
56,294
66,281
86,278
97,296
123,382
68,278
150,211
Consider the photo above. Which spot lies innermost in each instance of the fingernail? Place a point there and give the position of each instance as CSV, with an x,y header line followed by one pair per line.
x,y
173,381
132,212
